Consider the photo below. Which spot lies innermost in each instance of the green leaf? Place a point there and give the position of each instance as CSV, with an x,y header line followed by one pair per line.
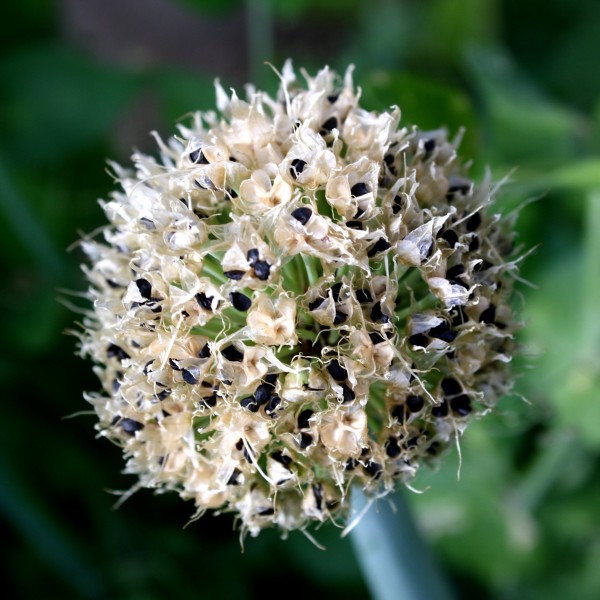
x,y
213,6
182,93
562,330
523,125
454,24
55,102
582,174
22,509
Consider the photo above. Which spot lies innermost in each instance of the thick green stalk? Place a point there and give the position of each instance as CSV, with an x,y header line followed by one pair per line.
x,y
395,560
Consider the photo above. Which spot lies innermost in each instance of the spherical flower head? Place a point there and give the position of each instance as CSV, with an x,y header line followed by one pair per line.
x,y
296,296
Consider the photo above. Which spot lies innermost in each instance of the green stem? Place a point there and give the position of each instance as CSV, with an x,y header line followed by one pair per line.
x,y
260,38
309,266
590,346
294,275
212,270
307,334
395,561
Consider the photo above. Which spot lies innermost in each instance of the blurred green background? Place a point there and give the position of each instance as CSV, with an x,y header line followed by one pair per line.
x,y
86,80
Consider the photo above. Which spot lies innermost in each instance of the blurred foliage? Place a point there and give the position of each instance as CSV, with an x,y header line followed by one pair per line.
x,y
521,78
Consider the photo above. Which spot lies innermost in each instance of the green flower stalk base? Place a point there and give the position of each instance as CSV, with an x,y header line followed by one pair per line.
x,y
296,296
395,561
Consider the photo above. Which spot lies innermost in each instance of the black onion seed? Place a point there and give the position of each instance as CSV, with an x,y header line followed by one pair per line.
x,y
450,386
415,403
376,338
250,404
473,222
429,145
114,351
315,303
281,458
330,124
348,394
130,426
197,157
302,214
231,353
240,301
263,393
488,315
303,418
354,224
450,236
359,189
443,332
441,410
399,412
377,315
336,370
297,167
419,339
144,288
379,246
305,440
474,244
392,449
188,377
261,269
364,296
235,275
461,405
204,301
455,271
374,469
335,291
340,317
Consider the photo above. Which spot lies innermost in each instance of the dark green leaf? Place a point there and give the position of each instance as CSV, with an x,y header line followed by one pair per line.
x,y
56,101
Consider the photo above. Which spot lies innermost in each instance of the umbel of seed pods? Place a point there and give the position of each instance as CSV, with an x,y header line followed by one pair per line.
x,y
296,296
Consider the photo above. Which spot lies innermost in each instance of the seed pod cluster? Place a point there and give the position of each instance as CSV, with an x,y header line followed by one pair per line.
x,y
297,295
